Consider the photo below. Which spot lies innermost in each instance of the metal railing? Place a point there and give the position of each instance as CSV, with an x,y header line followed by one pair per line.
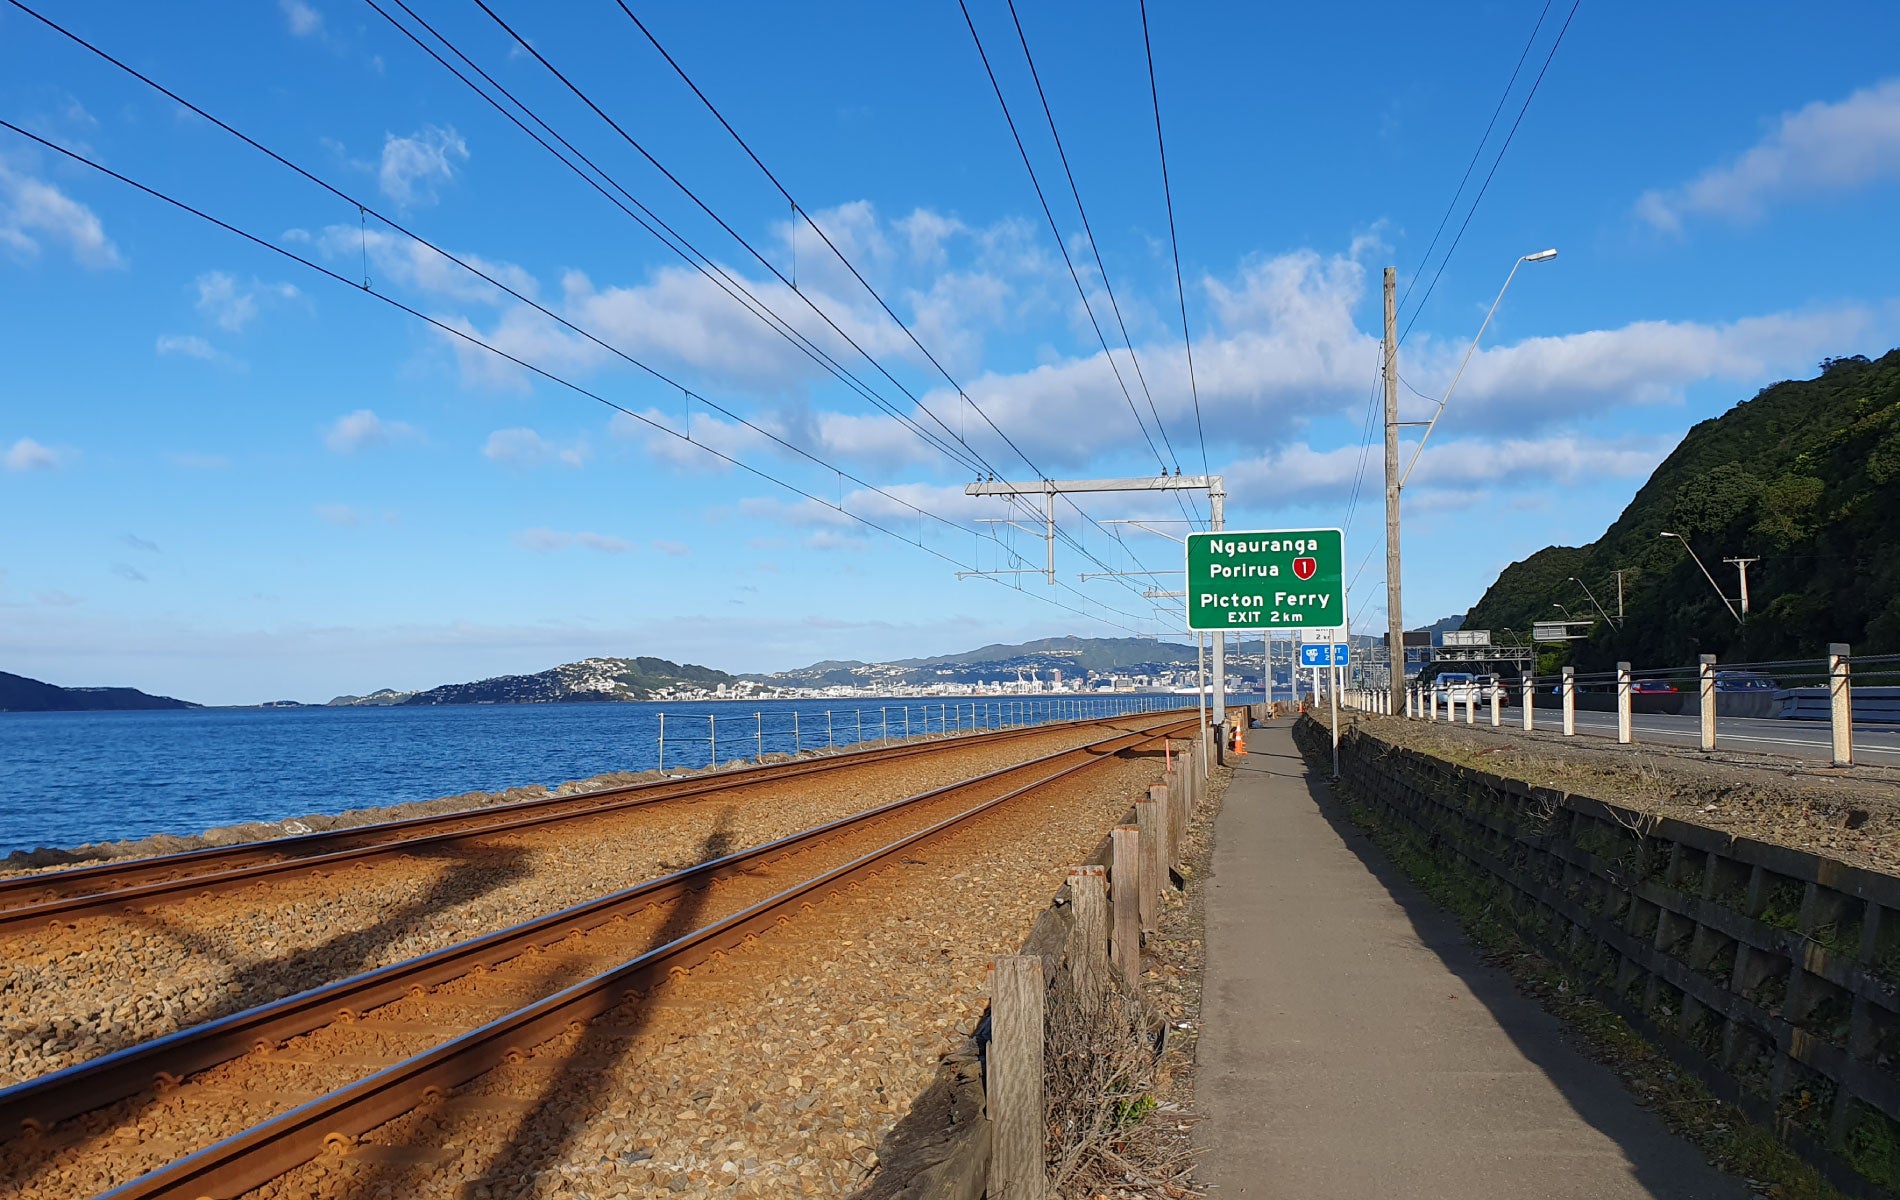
x,y
793,731
1839,687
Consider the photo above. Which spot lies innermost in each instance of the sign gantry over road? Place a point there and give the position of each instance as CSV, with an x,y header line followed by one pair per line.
x,y
1266,579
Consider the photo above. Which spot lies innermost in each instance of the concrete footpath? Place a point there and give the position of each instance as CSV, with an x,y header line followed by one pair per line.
x,y
1355,1046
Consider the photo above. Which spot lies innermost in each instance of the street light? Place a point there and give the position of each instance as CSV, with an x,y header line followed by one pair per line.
x,y
1705,573
1540,256
1566,611
1593,599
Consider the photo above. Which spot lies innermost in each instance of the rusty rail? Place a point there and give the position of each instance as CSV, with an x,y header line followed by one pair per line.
x,y
137,881
39,1104
246,1160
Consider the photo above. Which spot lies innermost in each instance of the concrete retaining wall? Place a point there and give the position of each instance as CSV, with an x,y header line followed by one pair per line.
x,y
1771,973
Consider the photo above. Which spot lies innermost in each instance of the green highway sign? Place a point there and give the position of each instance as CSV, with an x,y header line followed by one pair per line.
x,y
1266,579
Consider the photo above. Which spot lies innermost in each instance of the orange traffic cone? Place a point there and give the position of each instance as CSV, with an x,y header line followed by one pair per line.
x,y
1240,742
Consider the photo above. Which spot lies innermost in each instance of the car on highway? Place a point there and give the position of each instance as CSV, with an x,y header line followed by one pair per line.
x,y
1454,687
1743,681
1652,687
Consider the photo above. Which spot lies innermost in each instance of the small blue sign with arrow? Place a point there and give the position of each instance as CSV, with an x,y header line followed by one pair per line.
x,y
1322,654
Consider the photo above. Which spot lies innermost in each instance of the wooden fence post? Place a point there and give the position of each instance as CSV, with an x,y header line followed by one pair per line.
x,y
1014,1084
1170,833
1148,821
1088,956
1124,883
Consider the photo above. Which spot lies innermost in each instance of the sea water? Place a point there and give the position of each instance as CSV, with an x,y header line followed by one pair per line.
x,y
71,778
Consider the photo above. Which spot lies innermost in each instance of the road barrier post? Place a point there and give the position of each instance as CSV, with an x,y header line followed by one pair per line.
x,y
1529,697
1705,680
798,747
1840,694
1570,701
884,716
829,744
662,743
1431,699
1124,893
1148,823
712,737
1497,705
1014,1079
1471,704
1623,703
758,732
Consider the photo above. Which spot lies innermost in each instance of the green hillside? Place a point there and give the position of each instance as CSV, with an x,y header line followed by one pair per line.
x,y
1805,476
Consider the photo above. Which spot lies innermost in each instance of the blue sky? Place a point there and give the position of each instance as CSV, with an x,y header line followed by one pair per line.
x,y
230,478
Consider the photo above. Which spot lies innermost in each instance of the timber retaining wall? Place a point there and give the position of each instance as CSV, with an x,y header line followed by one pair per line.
x,y
1771,973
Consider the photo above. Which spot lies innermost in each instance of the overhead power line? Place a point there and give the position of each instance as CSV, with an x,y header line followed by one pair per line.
x,y
1492,173
1477,152
1174,240
550,376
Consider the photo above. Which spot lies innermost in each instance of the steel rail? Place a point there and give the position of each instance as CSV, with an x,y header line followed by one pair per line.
x,y
253,1157
132,882
40,1103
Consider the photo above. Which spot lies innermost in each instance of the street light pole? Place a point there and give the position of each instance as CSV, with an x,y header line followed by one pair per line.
x,y
1540,256
1593,600
1705,573
1394,480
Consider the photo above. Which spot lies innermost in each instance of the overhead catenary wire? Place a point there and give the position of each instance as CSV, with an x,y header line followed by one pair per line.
x,y
695,256
604,183
1095,248
588,101
1174,240
1056,230
364,209
803,212
542,372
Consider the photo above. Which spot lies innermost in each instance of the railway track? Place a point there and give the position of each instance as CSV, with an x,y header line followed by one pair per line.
x,y
269,1086
63,896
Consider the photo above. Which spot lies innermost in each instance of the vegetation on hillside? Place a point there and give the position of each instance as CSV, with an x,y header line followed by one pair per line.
x,y
1805,477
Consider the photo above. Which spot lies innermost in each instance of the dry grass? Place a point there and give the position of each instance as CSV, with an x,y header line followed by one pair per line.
x,y
1100,1059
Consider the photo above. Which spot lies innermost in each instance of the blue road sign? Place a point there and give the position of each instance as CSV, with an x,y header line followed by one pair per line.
x,y
1322,654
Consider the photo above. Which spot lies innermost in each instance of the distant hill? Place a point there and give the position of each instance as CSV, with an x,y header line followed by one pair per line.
x,y
380,698
592,679
20,694
1805,477
1075,657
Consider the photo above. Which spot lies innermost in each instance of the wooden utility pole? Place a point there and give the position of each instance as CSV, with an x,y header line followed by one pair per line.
x,y
1394,611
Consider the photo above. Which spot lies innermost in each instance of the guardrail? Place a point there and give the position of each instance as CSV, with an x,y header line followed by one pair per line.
x,y
794,731
1840,688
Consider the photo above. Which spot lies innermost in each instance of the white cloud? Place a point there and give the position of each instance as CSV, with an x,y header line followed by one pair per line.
x,y
363,429
304,20
188,345
543,541
1300,476
233,305
29,455
1817,149
523,447
414,166
672,548
32,209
